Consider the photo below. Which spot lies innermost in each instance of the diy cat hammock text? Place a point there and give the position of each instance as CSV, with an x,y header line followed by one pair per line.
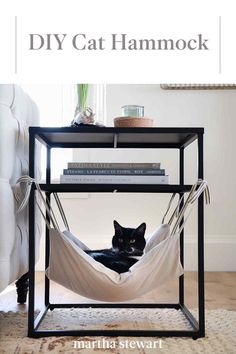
x,y
82,42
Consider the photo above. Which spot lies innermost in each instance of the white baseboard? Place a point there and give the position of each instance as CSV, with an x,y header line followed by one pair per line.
x,y
220,251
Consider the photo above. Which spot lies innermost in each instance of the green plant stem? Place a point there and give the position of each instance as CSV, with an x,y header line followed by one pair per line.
x,y
82,92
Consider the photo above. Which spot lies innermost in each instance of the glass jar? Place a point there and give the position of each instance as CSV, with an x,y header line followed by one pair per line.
x,y
132,111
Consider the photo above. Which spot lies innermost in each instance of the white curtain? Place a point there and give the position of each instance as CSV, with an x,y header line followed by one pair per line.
x,y
57,105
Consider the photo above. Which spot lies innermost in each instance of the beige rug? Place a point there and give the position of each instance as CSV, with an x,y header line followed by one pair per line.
x,y
220,332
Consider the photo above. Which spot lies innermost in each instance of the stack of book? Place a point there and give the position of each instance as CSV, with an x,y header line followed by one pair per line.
x,y
114,173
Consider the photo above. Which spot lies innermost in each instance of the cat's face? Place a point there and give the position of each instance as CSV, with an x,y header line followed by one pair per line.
x,y
129,241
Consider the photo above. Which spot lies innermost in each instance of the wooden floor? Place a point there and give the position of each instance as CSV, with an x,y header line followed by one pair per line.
x,y
220,293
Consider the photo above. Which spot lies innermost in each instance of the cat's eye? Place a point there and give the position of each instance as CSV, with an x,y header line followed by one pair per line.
x,y
120,240
132,241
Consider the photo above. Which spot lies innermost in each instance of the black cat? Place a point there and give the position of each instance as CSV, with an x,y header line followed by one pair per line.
x,y
126,244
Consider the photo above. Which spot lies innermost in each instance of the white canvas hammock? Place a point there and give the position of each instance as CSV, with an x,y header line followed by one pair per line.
x,y
71,267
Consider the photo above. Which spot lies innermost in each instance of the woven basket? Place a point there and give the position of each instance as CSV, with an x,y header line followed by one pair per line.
x,y
129,122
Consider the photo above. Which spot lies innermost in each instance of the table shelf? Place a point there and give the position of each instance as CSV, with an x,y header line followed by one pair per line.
x,y
107,137
125,188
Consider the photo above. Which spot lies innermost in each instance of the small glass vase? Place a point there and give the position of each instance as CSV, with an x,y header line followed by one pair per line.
x,y
132,111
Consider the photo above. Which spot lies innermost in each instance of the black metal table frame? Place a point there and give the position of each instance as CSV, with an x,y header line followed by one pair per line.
x,y
37,133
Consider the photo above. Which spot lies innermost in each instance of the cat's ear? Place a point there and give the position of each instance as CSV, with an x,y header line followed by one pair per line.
x,y
141,229
118,228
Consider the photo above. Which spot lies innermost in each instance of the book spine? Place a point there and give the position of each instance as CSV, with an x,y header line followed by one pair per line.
x,y
115,165
96,179
111,171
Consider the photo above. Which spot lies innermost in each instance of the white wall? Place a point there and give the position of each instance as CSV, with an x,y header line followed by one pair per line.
x,y
215,110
